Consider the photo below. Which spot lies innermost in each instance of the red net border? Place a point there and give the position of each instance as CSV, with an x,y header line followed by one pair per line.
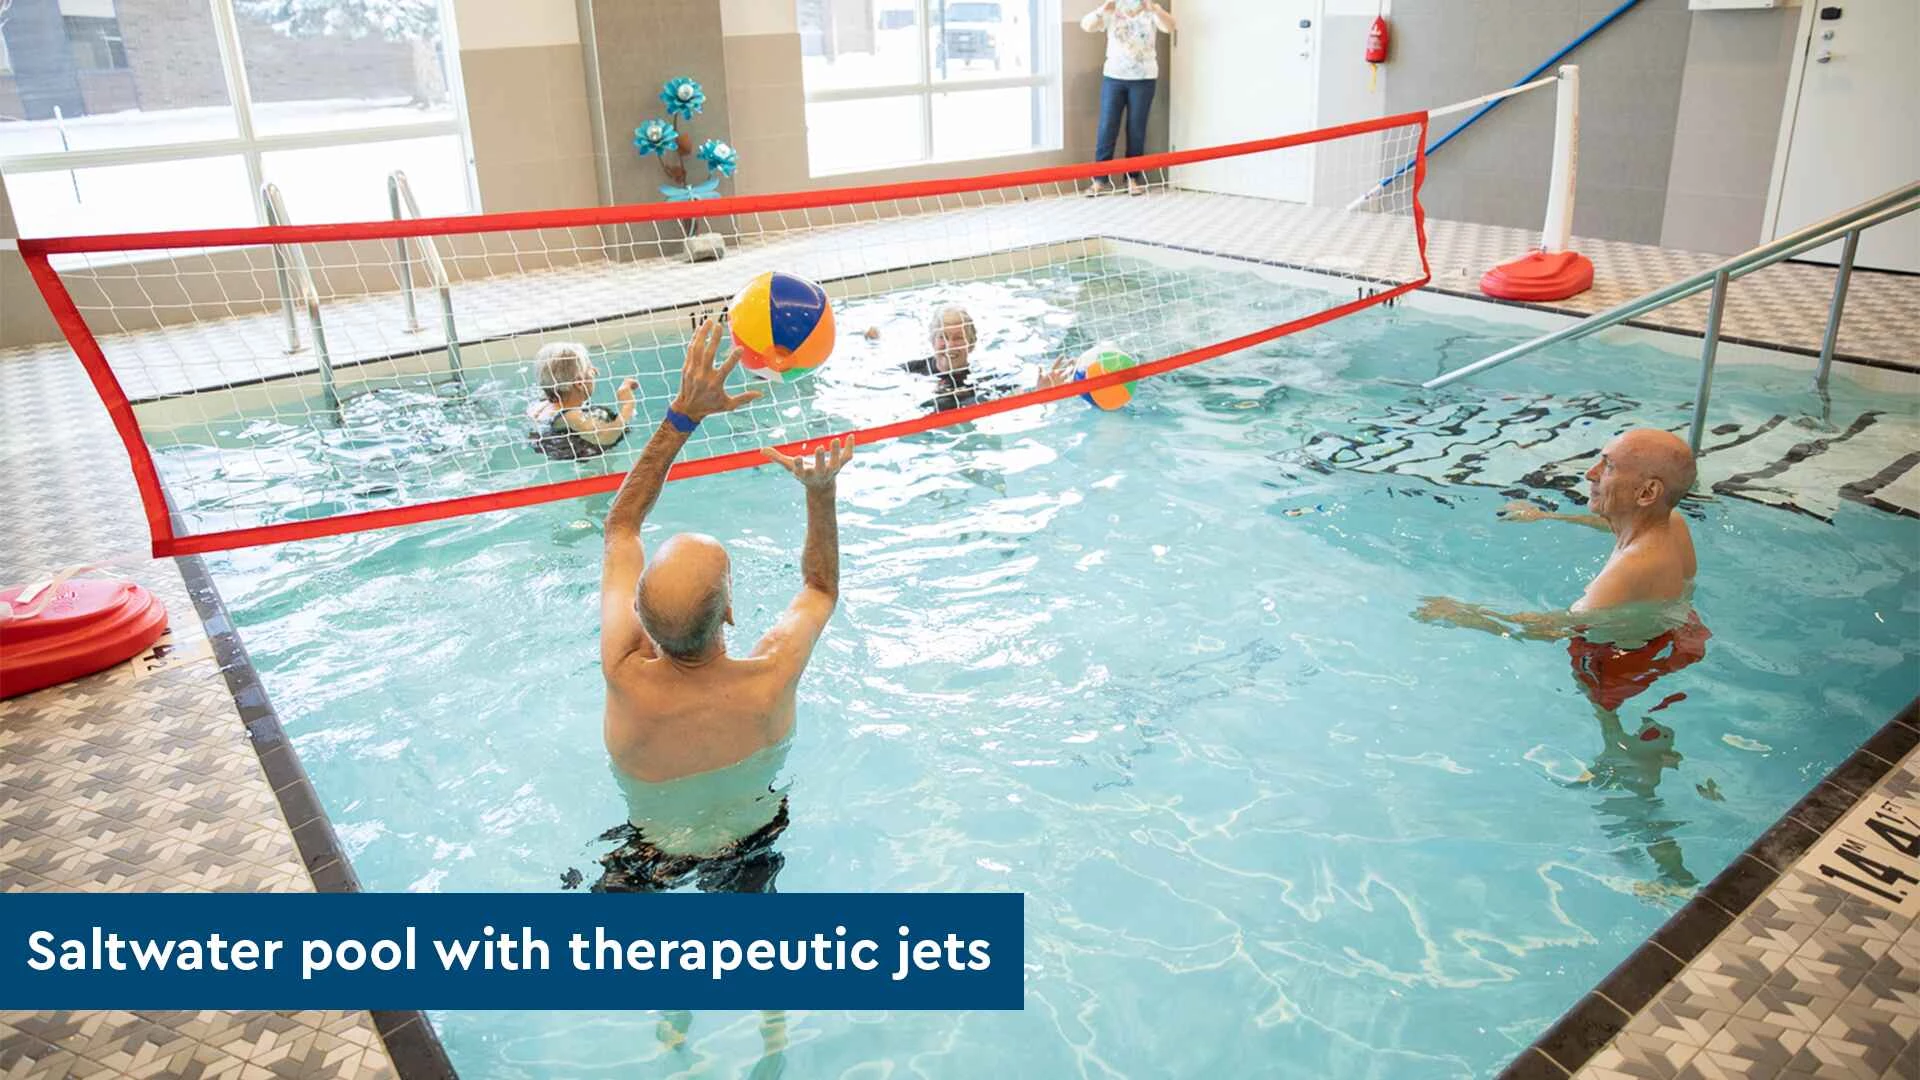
x,y
37,251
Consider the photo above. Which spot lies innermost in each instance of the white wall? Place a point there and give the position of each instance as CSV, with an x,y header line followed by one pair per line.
x,y
514,24
739,18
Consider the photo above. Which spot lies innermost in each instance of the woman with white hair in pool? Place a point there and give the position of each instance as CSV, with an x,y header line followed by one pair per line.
x,y
953,336
565,427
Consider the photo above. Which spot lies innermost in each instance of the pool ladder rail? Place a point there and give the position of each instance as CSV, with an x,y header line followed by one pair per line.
x,y
400,198
291,270
1848,224
294,273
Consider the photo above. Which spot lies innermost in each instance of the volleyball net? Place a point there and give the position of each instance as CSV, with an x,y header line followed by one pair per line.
x,y
293,381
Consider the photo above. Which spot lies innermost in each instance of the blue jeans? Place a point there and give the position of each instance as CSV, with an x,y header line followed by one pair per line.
x,y
1135,96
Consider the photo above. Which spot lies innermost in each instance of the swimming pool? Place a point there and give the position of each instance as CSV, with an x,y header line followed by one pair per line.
x,y
1155,670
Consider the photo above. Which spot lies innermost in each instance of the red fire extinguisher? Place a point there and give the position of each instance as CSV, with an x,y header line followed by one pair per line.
x,y
1377,38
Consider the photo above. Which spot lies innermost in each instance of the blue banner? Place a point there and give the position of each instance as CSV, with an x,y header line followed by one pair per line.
x,y
288,951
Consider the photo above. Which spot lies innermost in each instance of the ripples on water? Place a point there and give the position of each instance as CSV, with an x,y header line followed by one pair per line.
x,y
1153,669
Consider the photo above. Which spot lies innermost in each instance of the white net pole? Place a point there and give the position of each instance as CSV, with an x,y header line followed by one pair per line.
x,y
1482,101
1558,232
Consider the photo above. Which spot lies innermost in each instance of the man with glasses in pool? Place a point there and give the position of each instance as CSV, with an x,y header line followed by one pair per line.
x,y
696,736
1634,623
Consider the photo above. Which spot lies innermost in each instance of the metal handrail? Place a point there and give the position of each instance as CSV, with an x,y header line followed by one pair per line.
x,y
1848,223
400,197
290,267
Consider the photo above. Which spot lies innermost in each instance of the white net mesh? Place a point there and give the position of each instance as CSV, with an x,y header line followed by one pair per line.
x,y
282,388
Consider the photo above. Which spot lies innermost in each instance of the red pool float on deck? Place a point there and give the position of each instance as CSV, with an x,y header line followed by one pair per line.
x,y
1539,275
86,626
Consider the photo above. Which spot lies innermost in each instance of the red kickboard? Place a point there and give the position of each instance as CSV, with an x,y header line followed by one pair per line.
x,y
1539,275
89,626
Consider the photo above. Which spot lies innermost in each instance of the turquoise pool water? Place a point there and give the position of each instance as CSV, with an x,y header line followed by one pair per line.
x,y
1155,670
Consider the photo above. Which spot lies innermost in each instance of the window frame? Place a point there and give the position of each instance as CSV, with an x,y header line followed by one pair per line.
x,y
1049,119
252,146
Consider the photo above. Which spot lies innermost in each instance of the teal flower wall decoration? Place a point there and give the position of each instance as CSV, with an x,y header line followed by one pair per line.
x,y
683,97
719,156
656,137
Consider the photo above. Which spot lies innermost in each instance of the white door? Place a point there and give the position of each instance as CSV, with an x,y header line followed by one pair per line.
x,y
1856,130
1244,69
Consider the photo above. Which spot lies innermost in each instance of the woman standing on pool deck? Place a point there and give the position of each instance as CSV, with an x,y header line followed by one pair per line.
x,y
1127,83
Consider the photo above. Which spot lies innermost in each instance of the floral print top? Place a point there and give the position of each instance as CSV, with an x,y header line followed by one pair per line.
x,y
1131,40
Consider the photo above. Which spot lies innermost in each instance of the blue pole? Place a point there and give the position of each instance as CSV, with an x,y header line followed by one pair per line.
x,y
1522,81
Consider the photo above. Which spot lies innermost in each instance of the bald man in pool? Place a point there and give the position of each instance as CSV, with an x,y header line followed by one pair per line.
x,y
678,706
1635,622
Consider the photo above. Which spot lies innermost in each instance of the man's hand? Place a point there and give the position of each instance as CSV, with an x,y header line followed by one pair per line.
x,y
819,473
624,396
1440,609
1522,510
1445,611
703,387
1533,626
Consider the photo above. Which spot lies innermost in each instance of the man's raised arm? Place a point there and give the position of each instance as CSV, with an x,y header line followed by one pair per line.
x,y
703,392
793,637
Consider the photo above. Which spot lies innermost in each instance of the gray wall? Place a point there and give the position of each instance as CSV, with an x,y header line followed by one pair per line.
x,y
1679,112
1496,173
1730,104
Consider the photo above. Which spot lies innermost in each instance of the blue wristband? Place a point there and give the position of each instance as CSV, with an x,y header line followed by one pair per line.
x,y
681,422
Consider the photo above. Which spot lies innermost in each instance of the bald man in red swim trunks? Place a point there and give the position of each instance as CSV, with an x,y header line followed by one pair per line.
x,y
1635,622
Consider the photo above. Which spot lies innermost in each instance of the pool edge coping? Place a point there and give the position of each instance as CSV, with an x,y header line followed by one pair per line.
x,y
1589,1025
411,1043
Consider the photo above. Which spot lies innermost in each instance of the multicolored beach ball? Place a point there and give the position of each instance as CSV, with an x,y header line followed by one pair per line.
x,y
784,323
1104,359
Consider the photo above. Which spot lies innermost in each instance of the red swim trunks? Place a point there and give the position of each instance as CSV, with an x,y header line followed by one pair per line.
x,y
1611,674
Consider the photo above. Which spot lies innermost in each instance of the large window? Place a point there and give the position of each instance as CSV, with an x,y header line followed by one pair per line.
x,y
136,115
899,82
